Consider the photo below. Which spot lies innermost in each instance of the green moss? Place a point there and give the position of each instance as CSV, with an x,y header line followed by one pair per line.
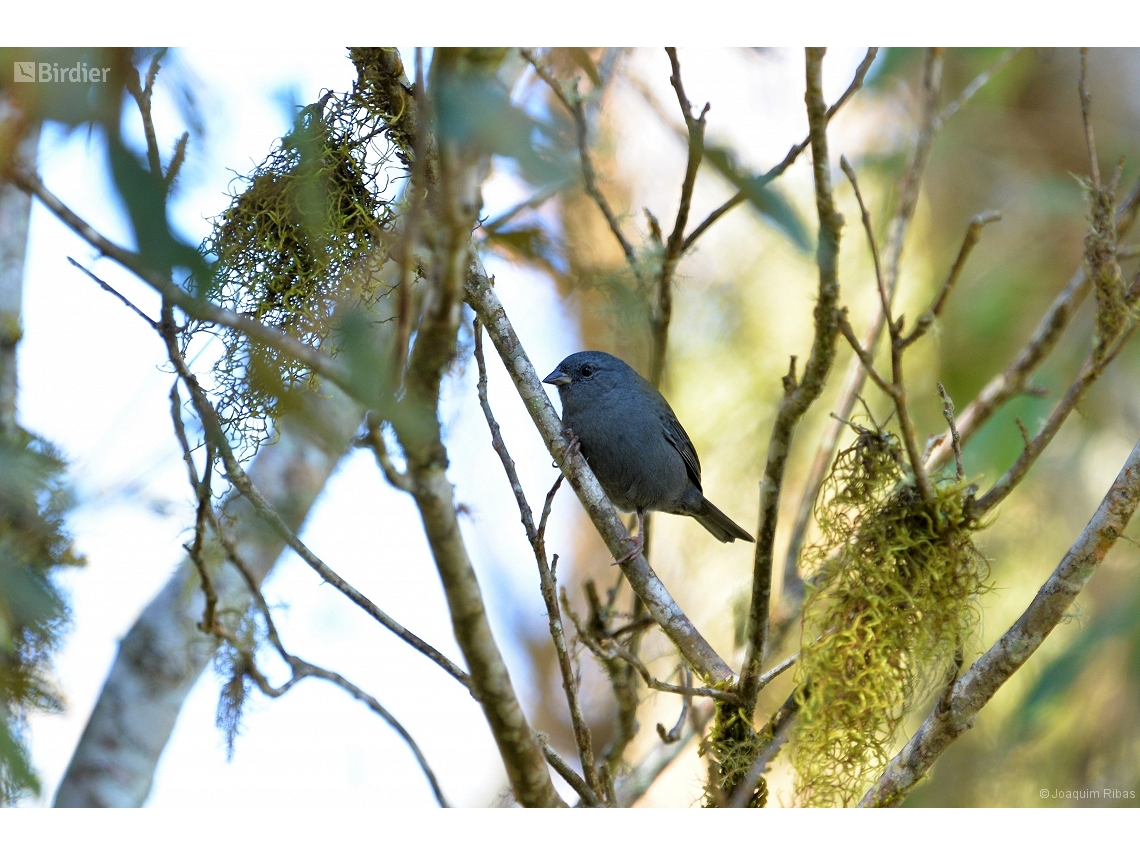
x,y
308,232
890,603
733,744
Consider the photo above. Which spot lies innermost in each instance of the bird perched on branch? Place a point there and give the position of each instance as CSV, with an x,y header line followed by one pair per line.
x,y
634,444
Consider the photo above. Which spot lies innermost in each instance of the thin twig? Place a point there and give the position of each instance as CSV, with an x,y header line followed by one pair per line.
x,y
790,158
896,388
660,686
547,571
575,105
301,668
972,88
1086,119
973,234
674,733
1015,379
535,200
374,439
634,784
142,94
674,245
1090,372
193,306
243,484
621,675
948,412
153,324
776,670
203,493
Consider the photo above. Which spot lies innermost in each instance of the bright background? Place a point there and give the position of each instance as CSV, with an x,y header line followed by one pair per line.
x,y
92,382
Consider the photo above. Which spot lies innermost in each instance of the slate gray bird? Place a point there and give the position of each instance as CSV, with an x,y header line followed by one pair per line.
x,y
634,443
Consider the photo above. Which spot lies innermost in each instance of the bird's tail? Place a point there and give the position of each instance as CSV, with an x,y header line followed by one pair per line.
x,y
719,525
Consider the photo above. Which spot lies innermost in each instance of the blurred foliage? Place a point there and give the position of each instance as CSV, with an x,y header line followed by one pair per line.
x,y
33,608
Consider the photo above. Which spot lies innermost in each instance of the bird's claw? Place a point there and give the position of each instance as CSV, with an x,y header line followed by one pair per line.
x,y
573,444
638,548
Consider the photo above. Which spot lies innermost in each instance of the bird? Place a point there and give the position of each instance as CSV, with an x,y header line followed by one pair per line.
x,y
634,444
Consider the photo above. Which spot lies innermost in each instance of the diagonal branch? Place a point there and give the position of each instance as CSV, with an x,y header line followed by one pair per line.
x,y
195,307
301,668
1094,366
973,234
673,622
981,682
241,481
1015,379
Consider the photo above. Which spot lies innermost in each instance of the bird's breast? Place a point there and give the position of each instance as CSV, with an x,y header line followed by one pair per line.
x,y
627,450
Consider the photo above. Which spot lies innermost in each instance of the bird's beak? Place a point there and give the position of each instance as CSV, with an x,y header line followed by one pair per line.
x,y
558,377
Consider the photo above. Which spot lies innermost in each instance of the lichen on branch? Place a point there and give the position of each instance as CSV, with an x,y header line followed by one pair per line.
x,y
891,601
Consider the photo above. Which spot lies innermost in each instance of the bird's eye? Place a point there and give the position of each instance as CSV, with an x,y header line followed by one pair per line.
x,y
587,370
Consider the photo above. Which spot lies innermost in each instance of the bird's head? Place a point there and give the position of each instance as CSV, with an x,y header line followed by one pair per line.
x,y
587,370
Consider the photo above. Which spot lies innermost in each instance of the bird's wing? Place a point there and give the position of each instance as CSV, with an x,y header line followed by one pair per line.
x,y
680,441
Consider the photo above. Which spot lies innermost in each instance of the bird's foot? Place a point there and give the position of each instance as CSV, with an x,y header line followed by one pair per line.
x,y
638,547
572,444
638,542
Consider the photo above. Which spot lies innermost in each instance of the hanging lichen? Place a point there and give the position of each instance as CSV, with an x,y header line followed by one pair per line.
x,y
890,602
308,232
235,664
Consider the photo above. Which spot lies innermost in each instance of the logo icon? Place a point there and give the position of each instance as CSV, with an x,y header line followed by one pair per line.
x,y
24,72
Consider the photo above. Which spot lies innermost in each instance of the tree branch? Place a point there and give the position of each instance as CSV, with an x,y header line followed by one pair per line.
x,y
1090,372
216,437
855,377
196,308
575,105
300,668
896,389
797,397
673,622
1015,379
973,234
455,203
